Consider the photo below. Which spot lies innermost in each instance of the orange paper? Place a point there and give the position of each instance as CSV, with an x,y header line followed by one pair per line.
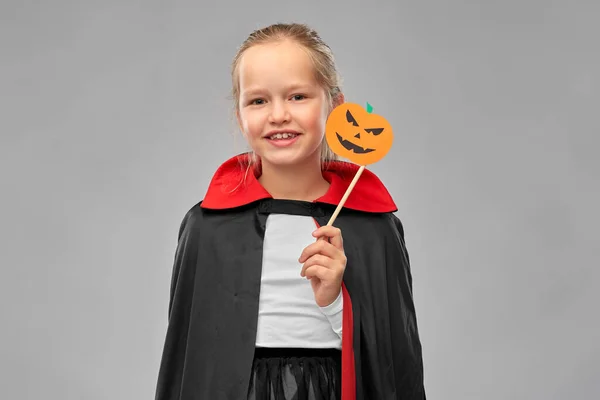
x,y
357,134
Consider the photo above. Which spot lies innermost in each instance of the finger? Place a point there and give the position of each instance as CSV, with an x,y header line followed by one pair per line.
x,y
320,247
318,259
321,272
332,233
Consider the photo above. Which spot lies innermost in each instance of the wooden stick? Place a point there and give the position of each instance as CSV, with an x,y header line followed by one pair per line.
x,y
345,197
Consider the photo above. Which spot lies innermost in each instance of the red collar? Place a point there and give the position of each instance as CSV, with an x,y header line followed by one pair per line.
x,y
228,189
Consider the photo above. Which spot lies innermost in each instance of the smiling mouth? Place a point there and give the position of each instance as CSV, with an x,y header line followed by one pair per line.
x,y
348,145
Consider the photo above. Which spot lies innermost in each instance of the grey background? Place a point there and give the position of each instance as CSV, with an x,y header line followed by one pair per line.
x,y
115,114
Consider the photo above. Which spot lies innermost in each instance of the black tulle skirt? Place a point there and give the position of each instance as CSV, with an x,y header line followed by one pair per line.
x,y
295,374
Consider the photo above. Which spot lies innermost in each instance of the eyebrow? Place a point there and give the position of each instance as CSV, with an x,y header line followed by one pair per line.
x,y
289,88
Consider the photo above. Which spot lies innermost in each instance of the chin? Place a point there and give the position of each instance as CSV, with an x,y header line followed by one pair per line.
x,y
280,159
286,158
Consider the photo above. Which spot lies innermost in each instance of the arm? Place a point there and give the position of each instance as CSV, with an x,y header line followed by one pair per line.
x,y
333,312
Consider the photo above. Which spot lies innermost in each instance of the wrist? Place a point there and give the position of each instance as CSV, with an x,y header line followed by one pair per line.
x,y
332,306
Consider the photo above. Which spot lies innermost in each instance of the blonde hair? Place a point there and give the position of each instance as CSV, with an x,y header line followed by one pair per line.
x,y
320,54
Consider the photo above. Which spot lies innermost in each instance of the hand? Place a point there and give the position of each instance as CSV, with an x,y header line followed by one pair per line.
x,y
324,264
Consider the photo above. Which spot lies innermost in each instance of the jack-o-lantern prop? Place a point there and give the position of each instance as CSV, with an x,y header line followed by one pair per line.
x,y
357,134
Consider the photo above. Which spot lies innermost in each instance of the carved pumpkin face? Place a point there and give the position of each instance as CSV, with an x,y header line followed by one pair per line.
x,y
358,135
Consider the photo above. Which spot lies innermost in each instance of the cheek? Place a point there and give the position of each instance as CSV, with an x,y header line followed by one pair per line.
x,y
315,118
252,124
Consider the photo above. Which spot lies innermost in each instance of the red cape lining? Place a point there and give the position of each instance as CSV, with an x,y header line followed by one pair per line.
x,y
234,184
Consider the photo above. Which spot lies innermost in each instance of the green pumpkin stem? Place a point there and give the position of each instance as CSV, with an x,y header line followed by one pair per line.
x,y
369,108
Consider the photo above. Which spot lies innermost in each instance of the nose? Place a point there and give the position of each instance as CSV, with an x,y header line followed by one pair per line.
x,y
279,112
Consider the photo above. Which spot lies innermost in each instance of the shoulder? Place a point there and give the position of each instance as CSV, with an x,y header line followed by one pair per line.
x,y
395,220
191,219
384,229
199,218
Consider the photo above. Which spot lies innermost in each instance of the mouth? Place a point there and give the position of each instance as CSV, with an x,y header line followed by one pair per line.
x,y
348,145
282,135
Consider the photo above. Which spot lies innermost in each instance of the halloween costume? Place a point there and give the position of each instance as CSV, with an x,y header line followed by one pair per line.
x,y
210,344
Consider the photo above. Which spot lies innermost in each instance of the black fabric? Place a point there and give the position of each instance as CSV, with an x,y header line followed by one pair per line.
x,y
213,309
295,374
291,207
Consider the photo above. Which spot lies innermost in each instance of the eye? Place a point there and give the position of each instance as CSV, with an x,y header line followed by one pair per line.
x,y
350,118
374,131
298,97
256,101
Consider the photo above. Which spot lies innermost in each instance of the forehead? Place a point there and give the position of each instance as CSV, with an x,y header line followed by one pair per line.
x,y
276,64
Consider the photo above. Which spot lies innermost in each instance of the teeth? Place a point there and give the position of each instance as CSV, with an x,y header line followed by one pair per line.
x,y
285,135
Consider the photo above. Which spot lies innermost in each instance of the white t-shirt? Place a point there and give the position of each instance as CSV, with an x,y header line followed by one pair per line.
x,y
288,314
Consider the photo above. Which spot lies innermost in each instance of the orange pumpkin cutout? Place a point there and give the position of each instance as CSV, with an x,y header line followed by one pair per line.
x,y
357,134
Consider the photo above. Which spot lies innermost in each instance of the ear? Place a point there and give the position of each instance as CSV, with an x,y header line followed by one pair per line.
x,y
339,99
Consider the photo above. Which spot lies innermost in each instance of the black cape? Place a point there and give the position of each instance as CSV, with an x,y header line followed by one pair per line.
x,y
213,307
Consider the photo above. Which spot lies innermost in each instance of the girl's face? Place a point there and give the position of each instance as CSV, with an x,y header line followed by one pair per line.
x,y
282,108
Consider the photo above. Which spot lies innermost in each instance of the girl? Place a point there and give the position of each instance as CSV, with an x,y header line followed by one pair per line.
x,y
260,308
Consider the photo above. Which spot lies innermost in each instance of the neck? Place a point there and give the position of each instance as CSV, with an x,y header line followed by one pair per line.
x,y
295,182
